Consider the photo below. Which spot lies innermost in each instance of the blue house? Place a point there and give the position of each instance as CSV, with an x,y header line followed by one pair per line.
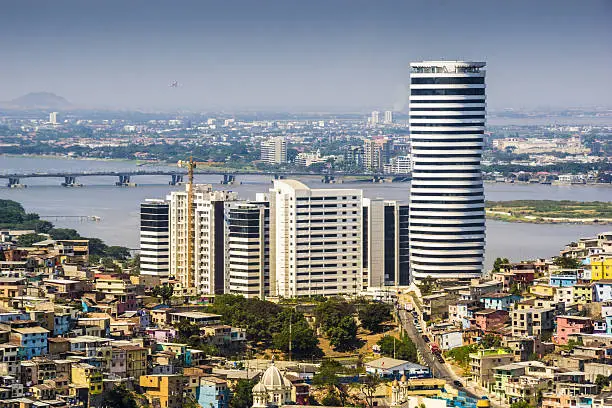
x,y
32,341
499,301
563,280
212,393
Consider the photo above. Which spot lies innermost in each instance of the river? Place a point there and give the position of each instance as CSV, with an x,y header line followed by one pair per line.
x,y
118,207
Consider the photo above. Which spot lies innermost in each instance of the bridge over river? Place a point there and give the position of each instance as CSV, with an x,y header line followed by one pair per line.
x,y
177,176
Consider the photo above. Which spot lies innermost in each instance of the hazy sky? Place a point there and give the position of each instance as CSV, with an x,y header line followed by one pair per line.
x,y
300,55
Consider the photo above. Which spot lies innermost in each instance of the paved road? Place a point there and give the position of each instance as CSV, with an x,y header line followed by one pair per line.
x,y
439,370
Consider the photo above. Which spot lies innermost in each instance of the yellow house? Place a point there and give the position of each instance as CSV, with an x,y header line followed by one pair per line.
x,y
542,290
136,360
583,293
163,390
601,268
86,375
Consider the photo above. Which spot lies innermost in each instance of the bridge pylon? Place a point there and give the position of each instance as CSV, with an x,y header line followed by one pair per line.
x,y
228,179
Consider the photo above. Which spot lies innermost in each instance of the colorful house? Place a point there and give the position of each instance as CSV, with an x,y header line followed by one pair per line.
x,y
567,325
490,319
163,390
601,267
213,392
86,375
564,279
602,290
500,301
583,293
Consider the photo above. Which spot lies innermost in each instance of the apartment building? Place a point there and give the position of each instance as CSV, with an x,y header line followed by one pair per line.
x,y
155,239
274,150
532,321
386,260
483,363
248,261
209,239
163,390
315,240
376,153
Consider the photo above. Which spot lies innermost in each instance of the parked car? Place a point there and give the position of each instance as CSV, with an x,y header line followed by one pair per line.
x,y
458,383
426,338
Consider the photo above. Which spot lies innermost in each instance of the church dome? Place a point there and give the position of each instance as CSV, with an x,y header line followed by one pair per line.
x,y
272,378
259,388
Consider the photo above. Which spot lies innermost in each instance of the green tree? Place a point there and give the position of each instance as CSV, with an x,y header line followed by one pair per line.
x,y
119,397
403,349
367,386
327,377
117,252
343,336
164,292
490,341
515,290
242,394
372,315
521,404
602,381
427,286
304,343
29,239
332,311
567,263
499,262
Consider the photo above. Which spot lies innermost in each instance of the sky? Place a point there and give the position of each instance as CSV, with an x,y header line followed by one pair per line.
x,y
289,55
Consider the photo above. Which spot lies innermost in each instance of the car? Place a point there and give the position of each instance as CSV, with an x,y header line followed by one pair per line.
x,y
425,338
440,359
458,383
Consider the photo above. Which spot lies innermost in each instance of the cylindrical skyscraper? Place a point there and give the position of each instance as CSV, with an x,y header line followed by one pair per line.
x,y
447,123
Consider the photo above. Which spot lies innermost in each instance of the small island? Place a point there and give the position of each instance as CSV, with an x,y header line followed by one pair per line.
x,y
550,211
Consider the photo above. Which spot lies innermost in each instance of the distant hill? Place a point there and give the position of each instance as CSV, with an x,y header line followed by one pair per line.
x,y
38,100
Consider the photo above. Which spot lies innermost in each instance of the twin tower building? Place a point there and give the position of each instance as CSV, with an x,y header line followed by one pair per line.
x,y
297,241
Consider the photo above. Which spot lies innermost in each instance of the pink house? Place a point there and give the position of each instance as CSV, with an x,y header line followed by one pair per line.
x,y
161,335
490,319
567,325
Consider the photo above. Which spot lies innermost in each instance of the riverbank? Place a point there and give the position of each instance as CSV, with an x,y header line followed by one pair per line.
x,y
550,211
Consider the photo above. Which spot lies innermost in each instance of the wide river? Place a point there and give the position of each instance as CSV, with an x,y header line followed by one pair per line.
x,y
118,207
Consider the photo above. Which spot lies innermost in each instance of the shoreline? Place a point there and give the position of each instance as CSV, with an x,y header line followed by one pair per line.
x,y
547,220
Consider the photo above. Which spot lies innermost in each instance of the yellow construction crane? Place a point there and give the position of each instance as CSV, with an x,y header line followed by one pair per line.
x,y
190,165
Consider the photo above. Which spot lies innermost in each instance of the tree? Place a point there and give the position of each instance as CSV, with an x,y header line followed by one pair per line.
x,y
515,290
327,377
521,404
117,252
566,263
119,397
164,292
343,336
602,381
499,262
29,239
331,312
242,394
187,330
490,341
368,386
304,343
372,315
403,349
427,286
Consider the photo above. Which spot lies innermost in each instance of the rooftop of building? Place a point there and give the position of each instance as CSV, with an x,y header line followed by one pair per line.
x,y
195,315
386,363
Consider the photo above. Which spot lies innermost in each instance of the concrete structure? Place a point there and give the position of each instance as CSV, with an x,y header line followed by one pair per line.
x,y
53,118
272,390
209,239
315,240
375,118
483,363
163,390
393,368
155,239
274,150
388,117
376,153
248,261
499,301
568,325
447,123
386,260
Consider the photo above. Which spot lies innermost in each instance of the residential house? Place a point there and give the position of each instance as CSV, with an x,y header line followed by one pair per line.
x,y
499,301
483,362
163,390
491,319
567,325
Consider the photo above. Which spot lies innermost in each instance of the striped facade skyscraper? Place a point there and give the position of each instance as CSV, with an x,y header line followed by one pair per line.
x,y
447,123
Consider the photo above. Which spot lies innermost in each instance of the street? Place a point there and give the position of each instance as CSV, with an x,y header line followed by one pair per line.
x,y
438,370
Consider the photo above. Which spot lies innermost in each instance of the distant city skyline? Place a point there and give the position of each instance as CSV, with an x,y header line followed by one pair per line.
x,y
291,56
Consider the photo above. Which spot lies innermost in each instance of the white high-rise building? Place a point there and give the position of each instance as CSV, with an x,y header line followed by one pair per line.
x,y
154,239
248,261
53,118
315,240
274,150
447,124
375,118
210,242
388,117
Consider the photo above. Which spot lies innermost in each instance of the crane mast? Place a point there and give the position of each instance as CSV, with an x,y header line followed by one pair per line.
x,y
190,165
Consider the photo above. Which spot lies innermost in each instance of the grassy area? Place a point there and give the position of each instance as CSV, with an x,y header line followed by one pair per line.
x,y
550,211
